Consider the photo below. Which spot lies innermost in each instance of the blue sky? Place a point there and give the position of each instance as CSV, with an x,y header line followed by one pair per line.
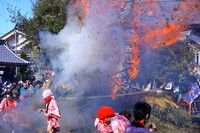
x,y
23,5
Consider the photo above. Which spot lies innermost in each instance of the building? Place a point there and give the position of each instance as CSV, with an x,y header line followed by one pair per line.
x,y
9,62
194,42
16,40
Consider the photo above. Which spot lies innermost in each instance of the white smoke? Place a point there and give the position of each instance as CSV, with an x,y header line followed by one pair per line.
x,y
86,47
85,53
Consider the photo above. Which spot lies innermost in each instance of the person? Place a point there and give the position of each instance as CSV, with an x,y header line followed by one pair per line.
x,y
23,91
8,103
180,91
108,121
36,87
141,113
7,106
15,89
126,113
51,112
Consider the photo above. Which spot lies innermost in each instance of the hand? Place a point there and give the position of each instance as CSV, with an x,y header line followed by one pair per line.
x,y
21,98
41,110
152,127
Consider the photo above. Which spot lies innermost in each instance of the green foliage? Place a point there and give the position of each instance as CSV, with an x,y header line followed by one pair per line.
x,y
169,63
24,72
50,15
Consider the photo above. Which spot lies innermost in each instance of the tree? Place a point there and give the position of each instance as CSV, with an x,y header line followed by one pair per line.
x,y
48,15
24,72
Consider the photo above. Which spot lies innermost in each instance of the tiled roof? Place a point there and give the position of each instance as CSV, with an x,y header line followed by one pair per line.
x,y
7,57
195,38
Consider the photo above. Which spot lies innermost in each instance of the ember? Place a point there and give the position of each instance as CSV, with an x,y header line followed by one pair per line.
x,y
106,41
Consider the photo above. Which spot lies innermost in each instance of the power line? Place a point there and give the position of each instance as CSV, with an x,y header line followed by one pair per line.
x,y
104,96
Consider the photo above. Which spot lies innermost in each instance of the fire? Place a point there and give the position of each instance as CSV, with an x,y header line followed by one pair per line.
x,y
118,3
135,60
149,25
167,35
82,6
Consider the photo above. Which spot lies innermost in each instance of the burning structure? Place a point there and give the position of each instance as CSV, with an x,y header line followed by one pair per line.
x,y
113,37
103,47
100,50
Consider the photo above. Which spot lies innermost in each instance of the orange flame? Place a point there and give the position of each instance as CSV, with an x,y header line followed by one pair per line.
x,y
82,6
167,35
143,34
135,60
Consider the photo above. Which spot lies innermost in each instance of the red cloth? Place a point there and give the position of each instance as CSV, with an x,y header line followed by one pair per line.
x,y
141,123
104,112
6,104
102,127
47,100
52,109
119,123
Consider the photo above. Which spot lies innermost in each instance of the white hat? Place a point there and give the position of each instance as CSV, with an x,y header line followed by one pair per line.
x,y
47,93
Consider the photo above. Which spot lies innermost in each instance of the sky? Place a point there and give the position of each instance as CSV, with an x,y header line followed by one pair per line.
x,y
23,5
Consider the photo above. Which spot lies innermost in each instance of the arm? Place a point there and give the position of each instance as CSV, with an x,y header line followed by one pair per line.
x,y
53,110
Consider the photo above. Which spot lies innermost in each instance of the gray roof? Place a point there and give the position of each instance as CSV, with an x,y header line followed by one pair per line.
x,y
195,38
7,57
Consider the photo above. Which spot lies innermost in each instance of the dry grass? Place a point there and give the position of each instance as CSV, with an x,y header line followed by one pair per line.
x,y
167,115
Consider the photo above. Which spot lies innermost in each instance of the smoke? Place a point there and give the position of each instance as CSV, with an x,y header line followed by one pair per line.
x,y
25,117
85,54
94,45
87,49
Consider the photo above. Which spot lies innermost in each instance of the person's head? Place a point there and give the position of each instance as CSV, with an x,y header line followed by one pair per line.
x,y
105,113
20,82
37,85
47,93
25,85
126,113
142,111
14,84
10,96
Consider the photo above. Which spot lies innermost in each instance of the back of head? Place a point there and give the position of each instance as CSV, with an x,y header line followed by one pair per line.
x,y
140,110
126,113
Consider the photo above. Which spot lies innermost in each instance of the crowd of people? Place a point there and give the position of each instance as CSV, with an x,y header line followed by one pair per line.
x,y
108,121
12,93
19,90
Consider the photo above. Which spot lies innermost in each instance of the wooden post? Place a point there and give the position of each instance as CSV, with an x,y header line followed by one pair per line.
x,y
189,109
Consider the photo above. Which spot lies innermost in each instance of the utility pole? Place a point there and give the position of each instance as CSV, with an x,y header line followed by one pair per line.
x,y
16,51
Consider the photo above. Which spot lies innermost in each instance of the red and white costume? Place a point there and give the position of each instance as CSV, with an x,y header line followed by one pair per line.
x,y
51,110
7,105
116,124
119,123
102,127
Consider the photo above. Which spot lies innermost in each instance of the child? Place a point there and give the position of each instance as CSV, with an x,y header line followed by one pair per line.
x,y
51,112
108,121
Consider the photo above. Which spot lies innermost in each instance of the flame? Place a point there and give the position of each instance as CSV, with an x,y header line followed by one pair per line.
x,y
152,34
118,3
82,6
135,60
167,35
